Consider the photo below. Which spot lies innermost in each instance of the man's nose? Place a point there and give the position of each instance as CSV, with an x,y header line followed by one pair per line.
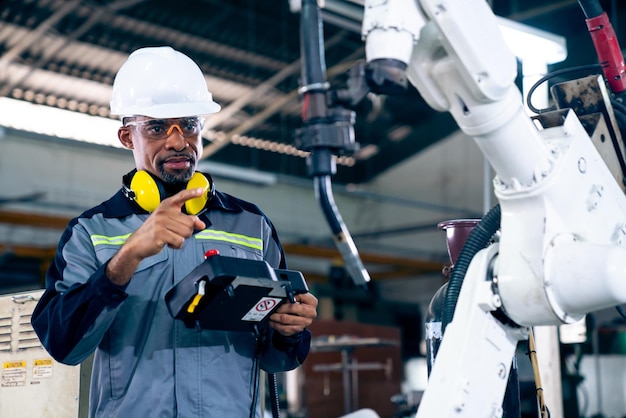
x,y
176,142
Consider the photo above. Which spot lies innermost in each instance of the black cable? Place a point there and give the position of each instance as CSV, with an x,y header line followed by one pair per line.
x,y
620,118
613,134
596,68
262,335
619,106
591,8
274,398
619,112
255,390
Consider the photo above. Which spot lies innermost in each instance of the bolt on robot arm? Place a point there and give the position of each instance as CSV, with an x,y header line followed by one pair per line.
x,y
563,216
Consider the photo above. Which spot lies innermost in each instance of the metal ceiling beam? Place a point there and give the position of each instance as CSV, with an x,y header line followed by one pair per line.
x,y
95,17
37,33
280,103
173,36
137,27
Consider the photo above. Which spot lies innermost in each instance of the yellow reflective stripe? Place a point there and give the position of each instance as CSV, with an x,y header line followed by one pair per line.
x,y
103,239
212,235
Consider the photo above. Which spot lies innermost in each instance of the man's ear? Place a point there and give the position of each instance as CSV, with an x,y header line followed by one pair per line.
x,y
125,137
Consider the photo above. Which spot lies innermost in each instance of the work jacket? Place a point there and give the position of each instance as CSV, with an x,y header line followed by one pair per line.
x,y
146,363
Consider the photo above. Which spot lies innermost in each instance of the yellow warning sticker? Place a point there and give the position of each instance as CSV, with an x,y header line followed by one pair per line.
x,y
42,369
13,374
13,364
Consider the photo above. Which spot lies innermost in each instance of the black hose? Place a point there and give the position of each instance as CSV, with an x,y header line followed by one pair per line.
x,y
341,235
313,69
324,133
591,8
323,191
477,240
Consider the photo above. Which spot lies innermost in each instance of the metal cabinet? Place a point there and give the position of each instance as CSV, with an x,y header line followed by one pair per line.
x,y
32,383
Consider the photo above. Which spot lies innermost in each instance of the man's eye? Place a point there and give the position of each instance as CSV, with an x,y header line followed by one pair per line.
x,y
155,129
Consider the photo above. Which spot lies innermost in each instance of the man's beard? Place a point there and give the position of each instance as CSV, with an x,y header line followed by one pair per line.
x,y
177,177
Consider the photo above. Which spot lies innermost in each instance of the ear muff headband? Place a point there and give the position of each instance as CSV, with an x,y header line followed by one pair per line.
x,y
147,191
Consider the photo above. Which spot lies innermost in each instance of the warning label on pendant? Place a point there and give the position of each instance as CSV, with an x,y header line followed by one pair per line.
x,y
260,310
13,374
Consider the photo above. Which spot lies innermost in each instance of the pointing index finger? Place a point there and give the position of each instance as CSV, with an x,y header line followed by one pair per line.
x,y
183,196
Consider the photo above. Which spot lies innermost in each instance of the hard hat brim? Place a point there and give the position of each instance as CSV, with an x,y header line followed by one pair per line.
x,y
179,110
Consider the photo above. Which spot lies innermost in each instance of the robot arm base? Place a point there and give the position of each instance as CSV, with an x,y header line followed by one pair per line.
x,y
471,382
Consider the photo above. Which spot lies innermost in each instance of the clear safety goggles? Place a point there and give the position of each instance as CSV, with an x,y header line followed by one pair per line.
x,y
163,128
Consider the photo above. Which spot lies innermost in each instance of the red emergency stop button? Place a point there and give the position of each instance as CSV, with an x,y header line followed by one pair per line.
x,y
211,252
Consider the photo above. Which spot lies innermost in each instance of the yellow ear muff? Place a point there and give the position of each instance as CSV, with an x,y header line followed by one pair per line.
x,y
147,193
195,205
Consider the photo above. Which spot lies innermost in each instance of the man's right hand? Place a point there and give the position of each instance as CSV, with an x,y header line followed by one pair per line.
x,y
167,225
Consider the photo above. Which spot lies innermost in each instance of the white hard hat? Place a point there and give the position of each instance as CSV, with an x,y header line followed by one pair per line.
x,y
161,82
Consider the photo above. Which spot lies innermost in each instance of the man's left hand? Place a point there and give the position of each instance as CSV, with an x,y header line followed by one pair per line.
x,y
292,318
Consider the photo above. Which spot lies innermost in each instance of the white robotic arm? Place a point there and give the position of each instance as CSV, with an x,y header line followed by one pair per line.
x,y
563,225
558,198
462,65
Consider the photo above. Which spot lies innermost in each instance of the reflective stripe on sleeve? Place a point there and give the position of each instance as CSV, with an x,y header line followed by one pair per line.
x,y
104,240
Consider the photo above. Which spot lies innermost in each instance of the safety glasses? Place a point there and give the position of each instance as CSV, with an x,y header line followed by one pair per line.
x,y
163,128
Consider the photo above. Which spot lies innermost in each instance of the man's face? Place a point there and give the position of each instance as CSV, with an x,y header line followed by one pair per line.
x,y
167,148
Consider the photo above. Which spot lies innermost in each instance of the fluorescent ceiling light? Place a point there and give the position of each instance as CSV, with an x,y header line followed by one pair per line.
x,y
526,42
532,44
46,120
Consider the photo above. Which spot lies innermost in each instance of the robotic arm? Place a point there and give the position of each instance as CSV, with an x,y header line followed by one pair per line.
x,y
563,215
